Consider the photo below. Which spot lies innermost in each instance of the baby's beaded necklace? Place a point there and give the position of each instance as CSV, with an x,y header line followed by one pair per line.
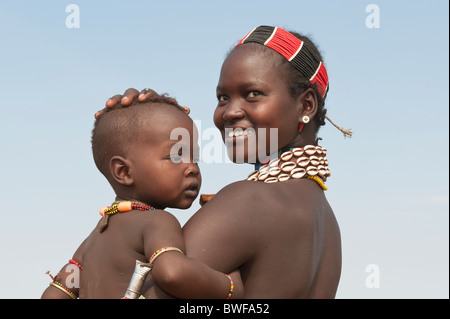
x,y
123,207
120,207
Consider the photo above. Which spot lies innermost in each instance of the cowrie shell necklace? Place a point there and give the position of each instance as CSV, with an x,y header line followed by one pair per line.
x,y
309,161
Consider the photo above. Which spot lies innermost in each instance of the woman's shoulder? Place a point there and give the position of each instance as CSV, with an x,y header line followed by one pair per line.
x,y
245,195
244,186
251,193
249,188
240,189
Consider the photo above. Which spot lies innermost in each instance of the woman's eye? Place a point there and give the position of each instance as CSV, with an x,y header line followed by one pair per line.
x,y
254,94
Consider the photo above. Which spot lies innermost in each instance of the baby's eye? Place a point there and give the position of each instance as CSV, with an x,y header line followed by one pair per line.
x,y
196,155
222,98
175,158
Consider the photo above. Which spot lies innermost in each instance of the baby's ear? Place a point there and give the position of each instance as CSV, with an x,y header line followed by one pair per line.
x,y
120,170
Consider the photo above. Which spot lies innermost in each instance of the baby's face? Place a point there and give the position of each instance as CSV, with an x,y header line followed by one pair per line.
x,y
165,169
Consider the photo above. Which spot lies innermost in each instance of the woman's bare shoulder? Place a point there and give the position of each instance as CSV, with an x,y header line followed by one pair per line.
x,y
237,195
240,188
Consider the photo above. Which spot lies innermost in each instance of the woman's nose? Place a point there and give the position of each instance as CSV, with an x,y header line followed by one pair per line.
x,y
233,112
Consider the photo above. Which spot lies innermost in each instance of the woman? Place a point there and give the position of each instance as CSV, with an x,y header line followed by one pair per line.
x,y
276,226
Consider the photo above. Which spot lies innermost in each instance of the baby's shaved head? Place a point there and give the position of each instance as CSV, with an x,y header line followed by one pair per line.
x,y
116,129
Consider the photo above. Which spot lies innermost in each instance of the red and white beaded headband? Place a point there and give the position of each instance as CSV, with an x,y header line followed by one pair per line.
x,y
296,51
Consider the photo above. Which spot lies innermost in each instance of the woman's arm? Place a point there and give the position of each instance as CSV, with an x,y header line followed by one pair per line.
x,y
225,232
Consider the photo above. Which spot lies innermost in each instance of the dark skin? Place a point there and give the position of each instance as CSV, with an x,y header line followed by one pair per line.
x,y
155,173
285,240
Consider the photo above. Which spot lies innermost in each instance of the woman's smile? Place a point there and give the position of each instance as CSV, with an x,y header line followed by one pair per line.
x,y
238,133
253,101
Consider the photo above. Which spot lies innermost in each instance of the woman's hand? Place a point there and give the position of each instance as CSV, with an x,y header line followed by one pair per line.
x,y
126,99
129,96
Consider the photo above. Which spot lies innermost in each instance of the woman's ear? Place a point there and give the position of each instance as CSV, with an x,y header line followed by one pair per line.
x,y
120,170
308,99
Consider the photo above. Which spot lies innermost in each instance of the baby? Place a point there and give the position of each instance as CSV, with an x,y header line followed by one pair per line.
x,y
150,168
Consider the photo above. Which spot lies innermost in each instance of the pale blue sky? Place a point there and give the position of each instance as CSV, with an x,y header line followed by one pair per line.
x,y
389,185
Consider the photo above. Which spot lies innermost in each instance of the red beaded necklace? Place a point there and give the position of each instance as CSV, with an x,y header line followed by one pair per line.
x,y
123,207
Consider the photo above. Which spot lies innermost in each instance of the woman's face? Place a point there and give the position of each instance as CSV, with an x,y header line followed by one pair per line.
x,y
253,97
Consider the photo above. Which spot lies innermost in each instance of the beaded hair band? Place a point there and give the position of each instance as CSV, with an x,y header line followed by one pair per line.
x,y
296,51
299,54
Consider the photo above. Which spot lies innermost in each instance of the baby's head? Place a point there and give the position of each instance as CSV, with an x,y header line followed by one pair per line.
x,y
272,79
146,151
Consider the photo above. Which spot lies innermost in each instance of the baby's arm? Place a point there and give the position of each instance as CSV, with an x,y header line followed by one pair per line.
x,y
66,284
188,278
181,276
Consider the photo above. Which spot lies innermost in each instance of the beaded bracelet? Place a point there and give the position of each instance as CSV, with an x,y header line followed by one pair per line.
x,y
61,287
231,287
159,252
76,263
64,289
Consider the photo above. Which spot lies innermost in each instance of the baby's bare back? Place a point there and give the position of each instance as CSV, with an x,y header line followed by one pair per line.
x,y
109,257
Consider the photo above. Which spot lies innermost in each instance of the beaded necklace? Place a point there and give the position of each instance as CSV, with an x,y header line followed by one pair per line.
x,y
123,207
309,161
119,207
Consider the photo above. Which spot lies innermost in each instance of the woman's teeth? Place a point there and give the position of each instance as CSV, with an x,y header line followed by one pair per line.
x,y
237,133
